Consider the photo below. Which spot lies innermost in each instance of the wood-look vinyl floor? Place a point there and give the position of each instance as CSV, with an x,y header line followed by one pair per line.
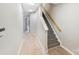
x,y
58,51
30,45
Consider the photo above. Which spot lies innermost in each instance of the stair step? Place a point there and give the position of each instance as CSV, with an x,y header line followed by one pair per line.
x,y
54,45
52,42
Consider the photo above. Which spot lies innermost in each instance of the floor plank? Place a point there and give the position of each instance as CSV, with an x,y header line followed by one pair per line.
x,y
58,51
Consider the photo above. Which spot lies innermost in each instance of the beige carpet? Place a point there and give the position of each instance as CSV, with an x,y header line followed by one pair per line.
x,y
30,45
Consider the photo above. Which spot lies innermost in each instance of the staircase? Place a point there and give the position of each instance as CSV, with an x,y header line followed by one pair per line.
x,y
52,39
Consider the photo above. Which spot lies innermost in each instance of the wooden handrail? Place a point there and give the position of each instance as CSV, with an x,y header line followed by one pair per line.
x,y
51,18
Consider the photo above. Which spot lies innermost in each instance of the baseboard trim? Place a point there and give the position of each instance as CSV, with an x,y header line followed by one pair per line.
x,y
72,53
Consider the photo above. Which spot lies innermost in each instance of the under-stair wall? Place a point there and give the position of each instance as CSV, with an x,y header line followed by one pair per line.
x,y
38,26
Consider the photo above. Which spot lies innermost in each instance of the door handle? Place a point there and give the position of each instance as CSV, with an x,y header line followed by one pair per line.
x,y
2,29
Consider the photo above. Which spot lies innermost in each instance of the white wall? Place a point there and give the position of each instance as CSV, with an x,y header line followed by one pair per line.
x,y
11,19
67,16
